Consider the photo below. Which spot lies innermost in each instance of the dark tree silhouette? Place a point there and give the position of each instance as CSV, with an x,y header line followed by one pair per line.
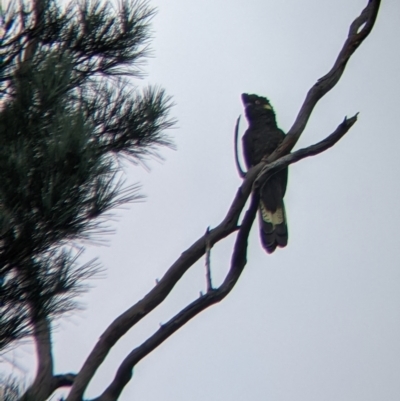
x,y
68,113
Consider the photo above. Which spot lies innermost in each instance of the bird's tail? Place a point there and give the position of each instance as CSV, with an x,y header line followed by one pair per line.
x,y
273,227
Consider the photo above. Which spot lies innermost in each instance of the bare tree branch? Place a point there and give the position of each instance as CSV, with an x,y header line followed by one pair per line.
x,y
124,373
157,295
65,380
208,263
239,260
271,168
359,30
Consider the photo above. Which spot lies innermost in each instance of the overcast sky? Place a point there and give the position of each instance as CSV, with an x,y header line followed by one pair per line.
x,y
318,320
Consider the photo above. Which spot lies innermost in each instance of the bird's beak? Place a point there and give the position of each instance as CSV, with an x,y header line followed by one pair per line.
x,y
267,106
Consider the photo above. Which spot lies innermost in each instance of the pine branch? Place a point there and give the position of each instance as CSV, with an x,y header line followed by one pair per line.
x,y
66,116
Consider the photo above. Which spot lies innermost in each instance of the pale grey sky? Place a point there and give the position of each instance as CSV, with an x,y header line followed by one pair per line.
x,y
318,320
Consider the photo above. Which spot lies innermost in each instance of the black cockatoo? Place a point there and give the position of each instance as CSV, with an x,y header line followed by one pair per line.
x,y
261,138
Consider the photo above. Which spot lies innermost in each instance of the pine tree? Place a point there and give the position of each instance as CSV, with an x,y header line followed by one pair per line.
x,y
69,111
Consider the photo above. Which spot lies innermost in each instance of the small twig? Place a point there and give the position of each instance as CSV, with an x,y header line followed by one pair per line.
x,y
208,261
241,172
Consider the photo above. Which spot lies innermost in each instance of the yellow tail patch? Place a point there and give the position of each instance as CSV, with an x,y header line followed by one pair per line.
x,y
273,218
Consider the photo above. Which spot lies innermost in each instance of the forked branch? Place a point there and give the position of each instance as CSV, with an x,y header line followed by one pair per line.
x,y
271,168
359,30
157,295
124,372
213,296
281,158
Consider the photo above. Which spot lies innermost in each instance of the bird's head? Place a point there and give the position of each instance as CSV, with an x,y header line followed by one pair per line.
x,y
257,108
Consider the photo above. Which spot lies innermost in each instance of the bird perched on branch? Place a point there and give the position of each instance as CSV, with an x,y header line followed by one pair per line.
x,y
260,140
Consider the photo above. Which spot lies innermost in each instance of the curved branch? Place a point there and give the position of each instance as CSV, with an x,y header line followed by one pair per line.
x,y
272,168
359,30
157,295
124,372
239,260
241,172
